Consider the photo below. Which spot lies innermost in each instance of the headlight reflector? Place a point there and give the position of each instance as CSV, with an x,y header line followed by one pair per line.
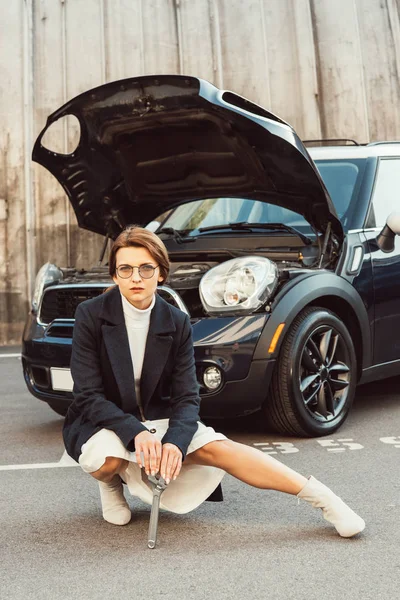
x,y
47,275
238,285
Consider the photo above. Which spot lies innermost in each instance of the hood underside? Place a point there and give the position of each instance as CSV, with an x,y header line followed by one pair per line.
x,y
149,144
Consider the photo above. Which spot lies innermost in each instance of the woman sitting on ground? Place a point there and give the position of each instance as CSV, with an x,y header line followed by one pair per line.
x,y
136,401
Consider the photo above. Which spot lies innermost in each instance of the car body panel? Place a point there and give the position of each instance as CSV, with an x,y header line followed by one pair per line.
x,y
228,342
313,289
386,287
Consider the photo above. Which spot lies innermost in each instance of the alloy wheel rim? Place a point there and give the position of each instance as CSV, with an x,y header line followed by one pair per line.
x,y
324,374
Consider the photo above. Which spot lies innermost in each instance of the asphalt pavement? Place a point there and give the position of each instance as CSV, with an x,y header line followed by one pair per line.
x,y
256,544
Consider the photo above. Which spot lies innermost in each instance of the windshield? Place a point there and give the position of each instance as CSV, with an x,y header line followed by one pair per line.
x,y
196,215
341,177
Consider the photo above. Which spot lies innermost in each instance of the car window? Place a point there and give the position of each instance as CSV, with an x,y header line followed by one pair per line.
x,y
386,194
342,179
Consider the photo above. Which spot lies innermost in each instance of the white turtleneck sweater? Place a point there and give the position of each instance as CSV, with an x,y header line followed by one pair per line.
x,y
137,323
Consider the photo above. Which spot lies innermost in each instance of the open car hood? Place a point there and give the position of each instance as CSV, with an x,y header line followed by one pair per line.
x,y
149,144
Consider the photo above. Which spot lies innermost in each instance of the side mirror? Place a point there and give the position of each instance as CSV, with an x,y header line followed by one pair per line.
x,y
385,239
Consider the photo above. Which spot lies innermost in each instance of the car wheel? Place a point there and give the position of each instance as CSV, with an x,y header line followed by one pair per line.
x,y
313,383
59,407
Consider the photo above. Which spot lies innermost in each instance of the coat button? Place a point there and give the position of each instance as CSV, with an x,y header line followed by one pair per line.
x,y
153,430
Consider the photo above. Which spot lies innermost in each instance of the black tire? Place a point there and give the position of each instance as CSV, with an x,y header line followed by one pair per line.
x,y
314,381
59,407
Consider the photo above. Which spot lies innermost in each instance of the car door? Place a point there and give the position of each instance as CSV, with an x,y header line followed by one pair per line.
x,y
385,266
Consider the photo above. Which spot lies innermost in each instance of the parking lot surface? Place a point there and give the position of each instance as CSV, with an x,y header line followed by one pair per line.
x,y
256,544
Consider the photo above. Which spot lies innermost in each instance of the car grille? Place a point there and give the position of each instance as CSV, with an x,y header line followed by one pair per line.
x,y
61,303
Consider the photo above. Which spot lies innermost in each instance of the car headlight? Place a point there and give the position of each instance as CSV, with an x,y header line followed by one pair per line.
x,y
238,285
47,275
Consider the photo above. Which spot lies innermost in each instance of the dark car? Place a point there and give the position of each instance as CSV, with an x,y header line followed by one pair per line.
x,y
288,267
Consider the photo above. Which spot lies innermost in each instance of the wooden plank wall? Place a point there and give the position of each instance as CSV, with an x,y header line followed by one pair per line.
x,y
331,69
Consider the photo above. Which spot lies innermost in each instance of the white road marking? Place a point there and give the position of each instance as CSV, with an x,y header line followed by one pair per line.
x,y
10,355
351,445
285,447
65,461
332,446
391,440
282,447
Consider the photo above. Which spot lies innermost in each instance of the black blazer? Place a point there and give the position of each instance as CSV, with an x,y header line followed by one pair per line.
x,y
102,370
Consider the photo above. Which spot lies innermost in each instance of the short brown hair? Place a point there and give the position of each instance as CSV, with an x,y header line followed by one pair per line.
x,y
136,236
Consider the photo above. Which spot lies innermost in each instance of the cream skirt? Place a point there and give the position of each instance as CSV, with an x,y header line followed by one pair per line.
x,y
193,485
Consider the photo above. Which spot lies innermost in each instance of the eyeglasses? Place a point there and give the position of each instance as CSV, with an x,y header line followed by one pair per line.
x,y
145,271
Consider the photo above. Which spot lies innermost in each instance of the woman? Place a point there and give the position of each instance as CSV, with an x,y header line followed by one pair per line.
x,y
136,402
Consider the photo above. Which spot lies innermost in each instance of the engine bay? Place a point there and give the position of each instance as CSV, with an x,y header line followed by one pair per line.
x,y
189,265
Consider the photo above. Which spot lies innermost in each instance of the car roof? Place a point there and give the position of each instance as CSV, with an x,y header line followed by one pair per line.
x,y
375,149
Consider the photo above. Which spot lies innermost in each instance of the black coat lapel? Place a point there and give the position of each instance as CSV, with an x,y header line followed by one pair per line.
x,y
117,344
158,346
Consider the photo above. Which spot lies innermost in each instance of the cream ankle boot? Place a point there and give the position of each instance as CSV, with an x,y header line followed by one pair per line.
x,y
115,507
335,511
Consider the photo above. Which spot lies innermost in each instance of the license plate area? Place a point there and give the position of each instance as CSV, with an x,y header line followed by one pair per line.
x,y
61,379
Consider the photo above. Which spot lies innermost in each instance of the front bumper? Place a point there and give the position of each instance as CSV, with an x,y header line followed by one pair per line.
x,y
242,397
225,342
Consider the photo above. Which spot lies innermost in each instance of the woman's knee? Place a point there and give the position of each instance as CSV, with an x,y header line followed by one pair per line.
x,y
212,452
111,467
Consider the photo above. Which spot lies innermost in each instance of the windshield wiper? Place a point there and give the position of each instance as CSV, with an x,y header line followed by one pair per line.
x,y
176,234
246,226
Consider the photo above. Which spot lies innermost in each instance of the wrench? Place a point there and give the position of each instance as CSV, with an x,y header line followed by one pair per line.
x,y
158,484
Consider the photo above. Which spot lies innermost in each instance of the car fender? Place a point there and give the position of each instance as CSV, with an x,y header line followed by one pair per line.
x,y
302,292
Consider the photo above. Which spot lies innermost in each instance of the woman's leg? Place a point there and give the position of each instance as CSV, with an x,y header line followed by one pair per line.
x,y
112,466
262,471
114,506
249,465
